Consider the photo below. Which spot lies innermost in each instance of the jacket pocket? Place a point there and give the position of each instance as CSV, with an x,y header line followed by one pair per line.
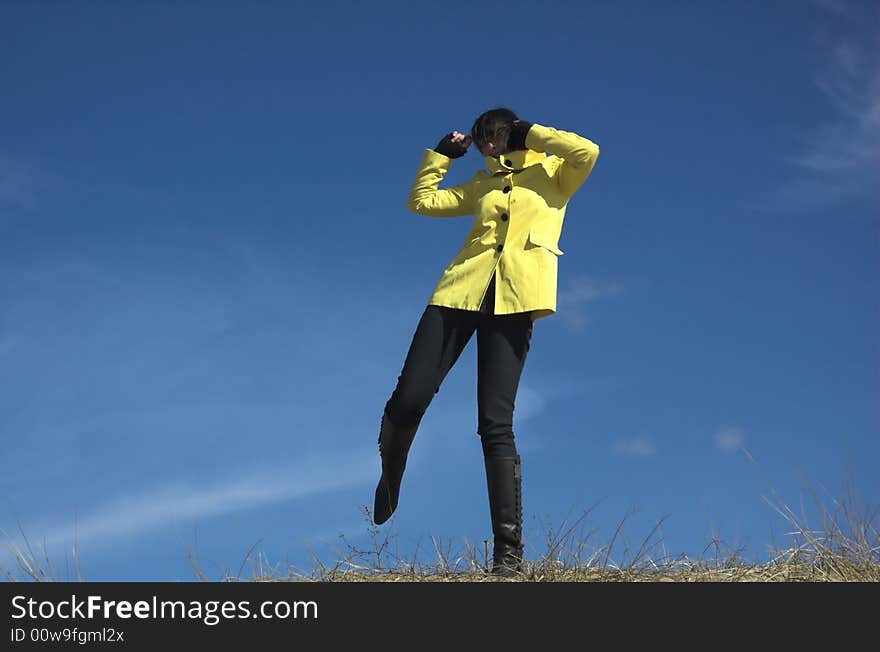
x,y
543,239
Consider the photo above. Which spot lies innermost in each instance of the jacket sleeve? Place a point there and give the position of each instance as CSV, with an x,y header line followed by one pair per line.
x,y
426,199
578,155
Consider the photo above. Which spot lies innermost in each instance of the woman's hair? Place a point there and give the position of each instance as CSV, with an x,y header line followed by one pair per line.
x,y
491,124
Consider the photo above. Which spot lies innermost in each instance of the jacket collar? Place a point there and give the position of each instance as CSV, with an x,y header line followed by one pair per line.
x,y
513,161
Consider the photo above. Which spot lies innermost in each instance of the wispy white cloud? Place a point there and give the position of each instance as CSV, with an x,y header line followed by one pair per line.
x,y
640,446
840,157
576,293
529,402
164,505
850,82
730,440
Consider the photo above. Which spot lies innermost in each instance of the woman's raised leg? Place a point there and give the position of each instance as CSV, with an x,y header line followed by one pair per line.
x,y
440,337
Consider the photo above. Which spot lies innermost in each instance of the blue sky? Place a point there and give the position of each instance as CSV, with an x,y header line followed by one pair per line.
x,y
209,278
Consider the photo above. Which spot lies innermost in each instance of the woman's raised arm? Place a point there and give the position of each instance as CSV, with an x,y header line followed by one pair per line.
x,y
425,196
578,154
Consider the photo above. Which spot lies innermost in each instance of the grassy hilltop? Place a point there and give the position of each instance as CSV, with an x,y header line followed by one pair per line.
x,y
844,548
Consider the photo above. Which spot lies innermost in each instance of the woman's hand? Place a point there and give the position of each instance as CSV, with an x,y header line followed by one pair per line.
x,y
454,144
464,139
517,138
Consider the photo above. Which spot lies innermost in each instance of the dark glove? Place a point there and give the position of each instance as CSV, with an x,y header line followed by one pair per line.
x,y
449,148
517,139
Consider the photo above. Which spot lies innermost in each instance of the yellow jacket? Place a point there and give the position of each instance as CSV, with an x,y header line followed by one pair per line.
x,y
518,208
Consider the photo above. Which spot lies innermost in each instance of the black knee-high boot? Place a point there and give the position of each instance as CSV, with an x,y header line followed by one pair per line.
x,y
504,481
394,444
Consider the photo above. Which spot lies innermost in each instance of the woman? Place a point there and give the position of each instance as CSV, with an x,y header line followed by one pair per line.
x,y
499,283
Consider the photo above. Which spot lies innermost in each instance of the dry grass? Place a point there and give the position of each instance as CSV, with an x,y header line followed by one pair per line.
x,y
844,547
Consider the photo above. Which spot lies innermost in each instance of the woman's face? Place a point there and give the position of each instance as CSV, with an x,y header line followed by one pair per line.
x,y
493,148
496,142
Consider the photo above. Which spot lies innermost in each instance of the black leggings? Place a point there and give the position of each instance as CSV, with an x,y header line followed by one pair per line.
x,y
442,334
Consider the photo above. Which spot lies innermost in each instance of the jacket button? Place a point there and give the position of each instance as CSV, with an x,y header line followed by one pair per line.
x,y
504,216
506,188
508,163
500,247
